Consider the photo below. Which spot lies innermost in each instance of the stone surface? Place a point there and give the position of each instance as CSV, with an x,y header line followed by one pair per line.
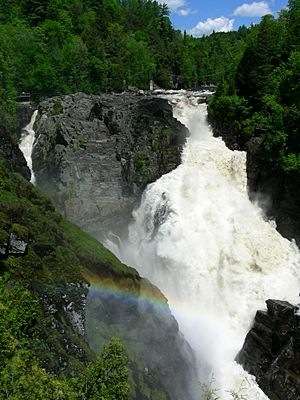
x,y
87,296
13,156
24,113
271,351
95,154
64,309
161,360
17,246
13,245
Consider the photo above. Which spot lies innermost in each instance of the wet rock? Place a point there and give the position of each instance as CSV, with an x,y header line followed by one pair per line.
x,y
162,363
95,154
24,113
17,246
15,242
13,156
271,351
3,249
65,339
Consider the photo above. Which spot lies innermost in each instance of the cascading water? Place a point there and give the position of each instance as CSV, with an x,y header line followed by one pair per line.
x,y
27,142
211,251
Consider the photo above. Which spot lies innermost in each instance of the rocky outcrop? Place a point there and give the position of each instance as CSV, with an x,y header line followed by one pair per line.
x,y
95,154
13,245
277,193
12,154
63,347
161,360
271,351
24,112
86,295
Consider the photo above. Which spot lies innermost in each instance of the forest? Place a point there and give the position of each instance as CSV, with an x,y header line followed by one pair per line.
x,y
53,47
262,98
63,46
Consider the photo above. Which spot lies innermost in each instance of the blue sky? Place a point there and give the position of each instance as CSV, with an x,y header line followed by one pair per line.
x,y
200,17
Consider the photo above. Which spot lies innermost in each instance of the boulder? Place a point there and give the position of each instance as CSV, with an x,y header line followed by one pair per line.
x,y
271,351
14,242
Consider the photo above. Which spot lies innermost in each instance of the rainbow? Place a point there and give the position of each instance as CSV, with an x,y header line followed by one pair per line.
x,y
145,294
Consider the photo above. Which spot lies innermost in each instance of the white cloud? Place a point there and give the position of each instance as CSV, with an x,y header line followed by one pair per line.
x,y
179,7
221,24
256,9
184,12
173,4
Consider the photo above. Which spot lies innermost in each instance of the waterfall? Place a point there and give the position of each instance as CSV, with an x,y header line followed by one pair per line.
x,y
27,141
212,252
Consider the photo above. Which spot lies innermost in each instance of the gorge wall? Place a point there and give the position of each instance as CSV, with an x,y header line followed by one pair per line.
x,y
85,294
95,154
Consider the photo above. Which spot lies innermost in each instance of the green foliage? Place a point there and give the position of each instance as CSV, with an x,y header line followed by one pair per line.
x,y
107,377
22,377
57,108
19,230
291,162
61,46
92,253
82,143
267,79
208,391
232,110
139,162
58,254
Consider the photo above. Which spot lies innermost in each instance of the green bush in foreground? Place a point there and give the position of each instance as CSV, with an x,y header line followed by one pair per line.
x,y
21,377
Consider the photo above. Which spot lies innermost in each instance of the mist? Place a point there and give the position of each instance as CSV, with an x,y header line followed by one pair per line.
x,y
210,250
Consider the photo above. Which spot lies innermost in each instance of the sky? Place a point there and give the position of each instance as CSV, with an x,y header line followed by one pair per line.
x,y
201,17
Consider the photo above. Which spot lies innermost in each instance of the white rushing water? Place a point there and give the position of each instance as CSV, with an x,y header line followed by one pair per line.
x,y
211,251
27,142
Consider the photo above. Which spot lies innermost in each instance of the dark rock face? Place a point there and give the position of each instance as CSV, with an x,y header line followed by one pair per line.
x,y
95,154
24,113
279,194
64,309
86,296
12,154
271,351
17,246
161,360
14,239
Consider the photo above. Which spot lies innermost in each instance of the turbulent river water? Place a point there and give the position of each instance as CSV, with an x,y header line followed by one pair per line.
x,y
27,142
212,252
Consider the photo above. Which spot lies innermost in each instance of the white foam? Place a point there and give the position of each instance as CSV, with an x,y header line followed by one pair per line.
x,y
27,142
211,251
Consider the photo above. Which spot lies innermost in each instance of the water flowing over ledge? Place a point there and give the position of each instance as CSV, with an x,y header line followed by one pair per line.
x,y
211,251
27,142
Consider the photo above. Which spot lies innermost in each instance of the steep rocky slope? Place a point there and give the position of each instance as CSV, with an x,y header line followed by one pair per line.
x,y
95,154
271,350
84,294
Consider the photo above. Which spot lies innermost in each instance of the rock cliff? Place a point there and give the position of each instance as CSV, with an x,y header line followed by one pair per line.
x,y
271,351
85,294
12,155
95,154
